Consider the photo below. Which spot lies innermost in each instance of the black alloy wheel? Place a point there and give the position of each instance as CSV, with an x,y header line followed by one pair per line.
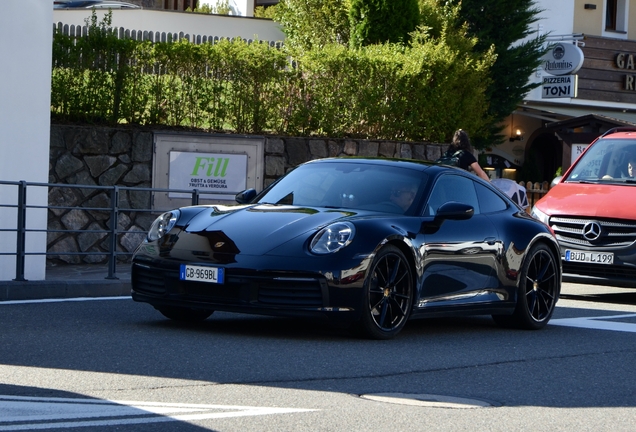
x,y
388,292
539,289
184,314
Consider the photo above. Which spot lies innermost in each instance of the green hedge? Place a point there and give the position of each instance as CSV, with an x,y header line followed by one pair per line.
x,y
423,92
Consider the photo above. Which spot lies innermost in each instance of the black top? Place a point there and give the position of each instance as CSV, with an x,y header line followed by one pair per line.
x,y
466,159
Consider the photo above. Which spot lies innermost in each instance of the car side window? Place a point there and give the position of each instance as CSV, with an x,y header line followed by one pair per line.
x,y
452,188
489,202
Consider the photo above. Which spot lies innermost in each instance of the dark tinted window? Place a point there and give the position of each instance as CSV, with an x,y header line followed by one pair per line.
x,y
489,202
351,185
452,188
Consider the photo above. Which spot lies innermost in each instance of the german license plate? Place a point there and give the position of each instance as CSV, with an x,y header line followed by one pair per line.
x,y
589,257
201,274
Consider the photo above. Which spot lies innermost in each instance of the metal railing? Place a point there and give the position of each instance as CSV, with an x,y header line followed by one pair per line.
x,y
110,224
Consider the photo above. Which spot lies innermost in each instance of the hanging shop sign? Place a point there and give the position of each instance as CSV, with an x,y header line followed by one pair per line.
x,y
562,59
559,86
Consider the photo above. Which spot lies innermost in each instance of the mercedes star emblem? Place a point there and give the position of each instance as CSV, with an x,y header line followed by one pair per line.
x,y
592,231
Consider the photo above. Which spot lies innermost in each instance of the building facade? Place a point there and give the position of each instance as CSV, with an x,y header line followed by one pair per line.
x,y
237,7
569,109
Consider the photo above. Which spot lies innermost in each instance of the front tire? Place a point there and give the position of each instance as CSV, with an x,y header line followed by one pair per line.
x,y
538,291
388,295
185,314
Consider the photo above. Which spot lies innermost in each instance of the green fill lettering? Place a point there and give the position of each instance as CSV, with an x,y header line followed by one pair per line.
x,y
210,166
223,168
198,164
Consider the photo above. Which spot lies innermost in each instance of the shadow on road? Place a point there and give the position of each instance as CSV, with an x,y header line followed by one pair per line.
x,y
623,298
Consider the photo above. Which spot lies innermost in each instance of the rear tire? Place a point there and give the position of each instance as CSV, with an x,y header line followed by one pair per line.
x,y
538,291
185,314
388,295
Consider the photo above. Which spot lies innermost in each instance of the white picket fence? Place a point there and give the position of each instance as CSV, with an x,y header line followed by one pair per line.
x,y
154,24
122,33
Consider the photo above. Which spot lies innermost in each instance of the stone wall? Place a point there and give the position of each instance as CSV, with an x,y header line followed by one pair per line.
x,y
94,157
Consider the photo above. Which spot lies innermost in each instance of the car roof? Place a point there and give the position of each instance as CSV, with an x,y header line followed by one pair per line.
x,y
419,165
625,132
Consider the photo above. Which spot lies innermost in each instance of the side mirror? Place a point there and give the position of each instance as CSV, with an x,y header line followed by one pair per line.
x,y
555,181
455,211
246,196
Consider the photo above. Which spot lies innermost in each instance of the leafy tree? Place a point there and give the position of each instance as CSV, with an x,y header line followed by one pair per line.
x,y
379,21
220,8
502,24
264,12
313,23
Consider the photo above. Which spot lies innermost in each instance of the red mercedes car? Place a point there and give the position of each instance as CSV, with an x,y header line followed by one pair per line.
x,y
592,211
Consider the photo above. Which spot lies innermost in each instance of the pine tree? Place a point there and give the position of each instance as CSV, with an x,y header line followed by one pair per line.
x,y
502,24
378,21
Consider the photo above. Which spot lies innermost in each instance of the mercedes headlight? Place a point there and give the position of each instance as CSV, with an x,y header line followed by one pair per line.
x,y
538,214
162,225
332,238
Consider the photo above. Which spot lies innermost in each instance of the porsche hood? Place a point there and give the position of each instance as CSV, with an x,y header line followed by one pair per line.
x,y
255,230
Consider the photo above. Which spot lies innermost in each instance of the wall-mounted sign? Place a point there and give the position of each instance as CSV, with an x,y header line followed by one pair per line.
x,y
577,150
217,166
559,86
562,59
626,61
214,174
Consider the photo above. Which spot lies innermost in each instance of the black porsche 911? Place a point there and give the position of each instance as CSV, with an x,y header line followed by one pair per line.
x,y
369,242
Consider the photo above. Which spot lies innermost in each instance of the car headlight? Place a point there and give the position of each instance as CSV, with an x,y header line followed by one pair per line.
x,y
163,224
333,238
538,214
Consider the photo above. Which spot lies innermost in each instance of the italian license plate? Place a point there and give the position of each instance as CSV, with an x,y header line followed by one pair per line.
x,y
589,257
201,274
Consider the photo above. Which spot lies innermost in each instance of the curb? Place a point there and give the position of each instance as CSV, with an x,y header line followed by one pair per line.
x,y
38,290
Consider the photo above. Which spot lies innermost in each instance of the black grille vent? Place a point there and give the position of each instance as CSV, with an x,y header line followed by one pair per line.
x,y
614,233
267,288
148,280
290,292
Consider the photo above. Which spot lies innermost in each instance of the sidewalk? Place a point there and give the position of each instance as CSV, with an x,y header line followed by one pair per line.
x,y
87,280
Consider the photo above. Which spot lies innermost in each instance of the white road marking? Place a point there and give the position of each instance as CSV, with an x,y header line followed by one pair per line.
x,y
608,322
38,413
60,300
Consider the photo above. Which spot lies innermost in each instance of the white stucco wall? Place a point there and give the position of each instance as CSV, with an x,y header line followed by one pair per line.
x,y
25,93
557,17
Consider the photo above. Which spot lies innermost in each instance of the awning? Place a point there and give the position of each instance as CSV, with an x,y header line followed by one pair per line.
x,y
558,112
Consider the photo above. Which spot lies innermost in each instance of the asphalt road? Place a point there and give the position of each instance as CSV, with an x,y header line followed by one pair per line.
x,y
112,364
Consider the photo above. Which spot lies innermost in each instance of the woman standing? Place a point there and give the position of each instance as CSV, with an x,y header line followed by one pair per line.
x,y
466,159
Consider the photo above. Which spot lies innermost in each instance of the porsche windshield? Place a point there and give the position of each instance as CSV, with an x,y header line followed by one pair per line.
x,y
606,161
348,185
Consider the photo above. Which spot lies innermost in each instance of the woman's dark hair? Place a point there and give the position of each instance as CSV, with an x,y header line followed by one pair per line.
x,y
461,141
